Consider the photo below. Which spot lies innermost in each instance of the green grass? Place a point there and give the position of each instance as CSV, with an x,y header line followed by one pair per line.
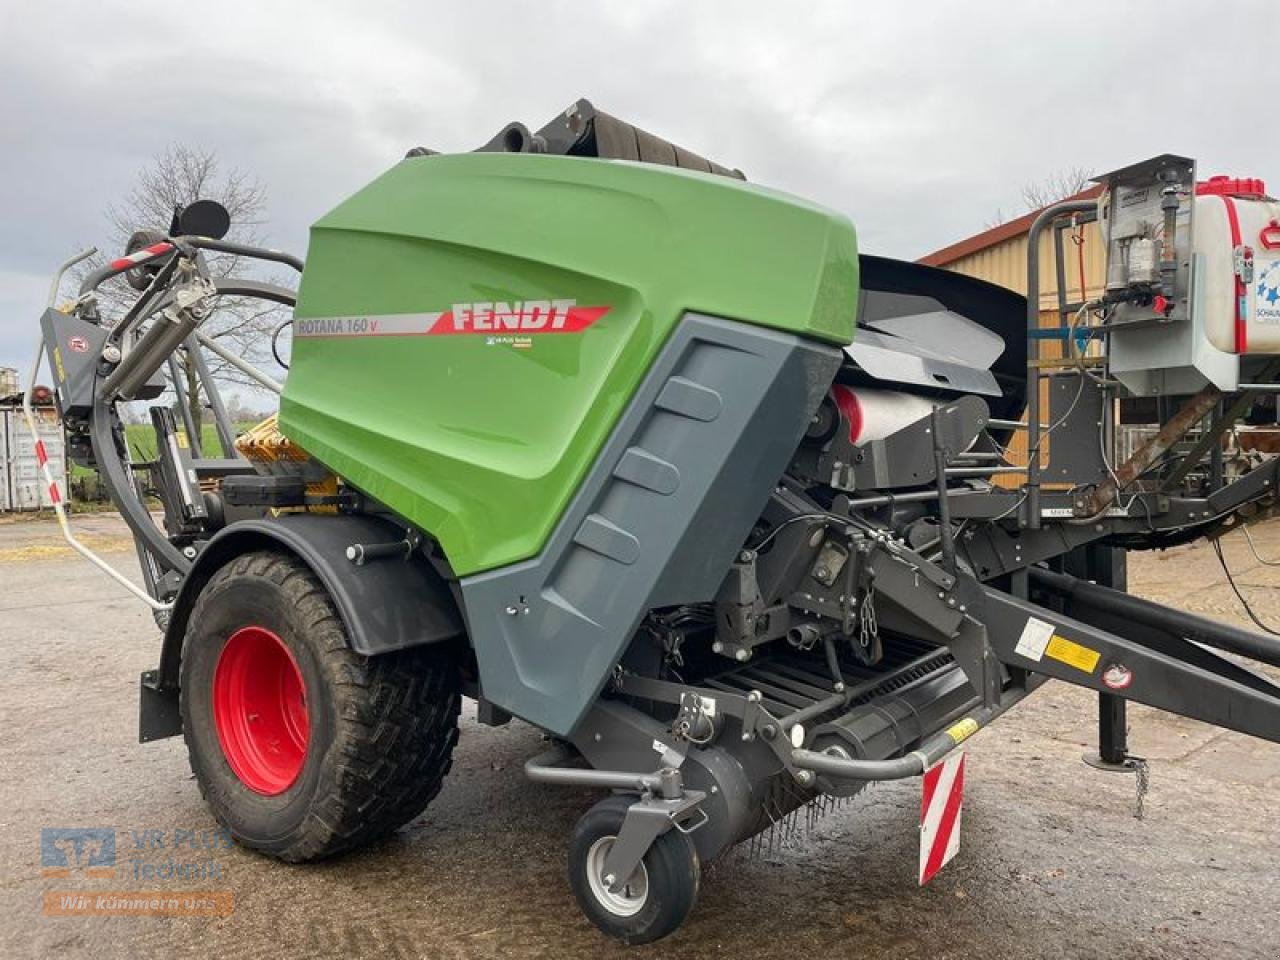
x,y
142,444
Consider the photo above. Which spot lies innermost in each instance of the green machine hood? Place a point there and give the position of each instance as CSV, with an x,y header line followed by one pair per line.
x,y
469,327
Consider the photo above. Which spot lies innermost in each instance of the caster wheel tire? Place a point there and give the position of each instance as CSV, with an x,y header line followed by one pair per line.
x,y
657,898
302,747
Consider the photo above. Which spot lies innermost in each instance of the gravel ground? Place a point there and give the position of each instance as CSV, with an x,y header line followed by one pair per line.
x,y
1054,863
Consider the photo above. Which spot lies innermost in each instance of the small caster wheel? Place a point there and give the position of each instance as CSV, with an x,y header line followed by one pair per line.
x,y
656,899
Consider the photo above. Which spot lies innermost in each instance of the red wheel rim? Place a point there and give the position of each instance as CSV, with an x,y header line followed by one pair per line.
x,y
260,710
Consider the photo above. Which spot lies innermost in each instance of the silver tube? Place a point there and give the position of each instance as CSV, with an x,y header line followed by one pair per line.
x,y
221,421
547,768
1046,217
915,496
1011,424
900,768
57,277
150,353
244,366
816,709
184,408
982,471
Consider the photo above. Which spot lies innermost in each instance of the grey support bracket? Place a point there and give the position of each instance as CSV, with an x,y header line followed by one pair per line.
x,y
663,803
1135,656
647,819
755,720
551,767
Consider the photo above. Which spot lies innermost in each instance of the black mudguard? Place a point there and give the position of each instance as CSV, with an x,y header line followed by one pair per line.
x,y
386,604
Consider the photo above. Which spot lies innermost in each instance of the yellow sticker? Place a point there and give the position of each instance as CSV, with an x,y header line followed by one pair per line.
x,y
963,730
1072,654
58,367
181,437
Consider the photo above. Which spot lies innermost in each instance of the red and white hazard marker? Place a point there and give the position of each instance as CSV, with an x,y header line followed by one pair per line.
x,y
940,815
146,253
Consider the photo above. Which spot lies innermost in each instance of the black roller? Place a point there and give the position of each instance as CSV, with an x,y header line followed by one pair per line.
x,y
584,131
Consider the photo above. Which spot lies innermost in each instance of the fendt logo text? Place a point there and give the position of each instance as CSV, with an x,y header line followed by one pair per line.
x,y
519,316
525,316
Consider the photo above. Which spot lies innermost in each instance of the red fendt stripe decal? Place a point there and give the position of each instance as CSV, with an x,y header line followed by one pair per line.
x,y
582,317
41,457
444,324
569,320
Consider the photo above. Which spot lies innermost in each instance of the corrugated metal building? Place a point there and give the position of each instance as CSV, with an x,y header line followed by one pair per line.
x,y
999,255
22,485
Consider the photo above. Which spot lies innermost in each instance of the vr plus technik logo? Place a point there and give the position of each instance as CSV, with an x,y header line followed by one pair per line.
x,y
89,851
77,853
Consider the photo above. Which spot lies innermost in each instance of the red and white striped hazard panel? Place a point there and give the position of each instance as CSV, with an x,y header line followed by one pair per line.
x,y
940,814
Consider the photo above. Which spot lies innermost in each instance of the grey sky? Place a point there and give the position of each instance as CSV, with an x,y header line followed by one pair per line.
x,y
918,119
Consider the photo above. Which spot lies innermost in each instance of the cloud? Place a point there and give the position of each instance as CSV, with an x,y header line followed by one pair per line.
x,y
918,120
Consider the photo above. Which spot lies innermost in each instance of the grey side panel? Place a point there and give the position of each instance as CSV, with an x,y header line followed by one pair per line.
x,y
73,347
658,520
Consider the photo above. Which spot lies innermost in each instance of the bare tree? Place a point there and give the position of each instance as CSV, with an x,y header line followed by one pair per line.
x,y
175,177
1056,186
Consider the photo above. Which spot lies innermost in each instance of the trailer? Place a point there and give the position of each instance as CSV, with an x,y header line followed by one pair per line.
x,y
587,428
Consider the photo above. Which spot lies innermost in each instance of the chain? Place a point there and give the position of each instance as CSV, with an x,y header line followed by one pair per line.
x,y
868,627
1144,785
691,718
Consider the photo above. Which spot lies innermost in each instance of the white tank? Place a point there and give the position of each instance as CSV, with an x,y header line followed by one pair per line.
x,y
1237,231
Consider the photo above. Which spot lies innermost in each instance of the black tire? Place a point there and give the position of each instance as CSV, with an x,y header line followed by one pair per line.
x,y
380,730
140,277
669,872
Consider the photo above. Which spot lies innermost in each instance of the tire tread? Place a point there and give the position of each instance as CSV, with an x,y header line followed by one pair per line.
x,y
397,719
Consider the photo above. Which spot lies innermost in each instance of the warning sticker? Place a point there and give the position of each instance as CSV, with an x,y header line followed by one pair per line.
x,y
1034,639
1072,654
963,730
